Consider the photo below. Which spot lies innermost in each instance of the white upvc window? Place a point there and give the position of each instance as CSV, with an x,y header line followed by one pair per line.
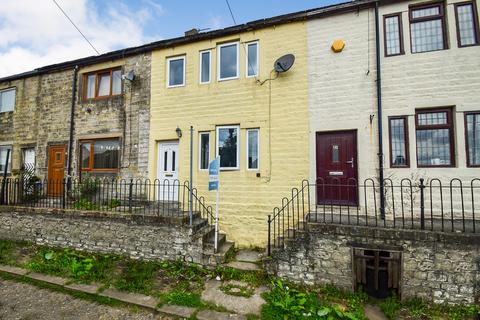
x,y
252,59
253,149
205,66
204,150
228,61
7,100
3,158
176,72
228,147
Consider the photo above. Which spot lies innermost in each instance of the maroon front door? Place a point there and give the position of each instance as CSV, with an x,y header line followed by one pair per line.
x,y
337,168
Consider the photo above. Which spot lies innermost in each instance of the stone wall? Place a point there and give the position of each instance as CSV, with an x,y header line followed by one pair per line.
x,y
441,267
149,237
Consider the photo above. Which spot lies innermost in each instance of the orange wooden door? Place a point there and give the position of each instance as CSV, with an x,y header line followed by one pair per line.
x,y
56,170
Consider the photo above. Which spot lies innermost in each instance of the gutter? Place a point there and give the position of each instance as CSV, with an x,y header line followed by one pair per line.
x,y
379,113
72,122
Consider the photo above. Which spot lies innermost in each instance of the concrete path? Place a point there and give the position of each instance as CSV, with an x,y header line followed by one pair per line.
x,y
28,302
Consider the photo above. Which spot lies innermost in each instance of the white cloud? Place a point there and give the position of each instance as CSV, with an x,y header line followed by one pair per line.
x,y
35,33
215,22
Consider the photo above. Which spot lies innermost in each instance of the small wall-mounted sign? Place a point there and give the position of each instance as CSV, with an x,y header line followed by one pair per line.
x,y
338,46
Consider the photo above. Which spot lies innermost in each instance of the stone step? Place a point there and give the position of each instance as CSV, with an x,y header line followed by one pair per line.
x,y
220,257
215,315
222,238
245,266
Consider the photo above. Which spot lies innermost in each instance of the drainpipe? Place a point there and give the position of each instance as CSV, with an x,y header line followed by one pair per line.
x,y
72,122
379,112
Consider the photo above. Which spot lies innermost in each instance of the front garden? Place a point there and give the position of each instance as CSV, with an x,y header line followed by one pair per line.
x,y
181,283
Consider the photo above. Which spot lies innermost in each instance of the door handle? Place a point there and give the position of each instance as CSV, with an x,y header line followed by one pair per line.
x,y
351,162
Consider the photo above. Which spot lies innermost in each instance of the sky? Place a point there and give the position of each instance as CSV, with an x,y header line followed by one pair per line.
x,y
35,33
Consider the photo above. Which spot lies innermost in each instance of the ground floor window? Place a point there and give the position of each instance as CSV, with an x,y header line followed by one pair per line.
x,y
472,123
28,158
204,150
3,159
434,131
398,130
228,147
100,155
253,145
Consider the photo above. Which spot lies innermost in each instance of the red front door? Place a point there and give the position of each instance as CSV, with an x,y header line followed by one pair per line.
x,y
337,168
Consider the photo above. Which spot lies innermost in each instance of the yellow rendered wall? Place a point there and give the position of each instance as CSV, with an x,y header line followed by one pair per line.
x,y
245,199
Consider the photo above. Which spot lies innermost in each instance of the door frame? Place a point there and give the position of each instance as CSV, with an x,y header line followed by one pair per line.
x,y
355,142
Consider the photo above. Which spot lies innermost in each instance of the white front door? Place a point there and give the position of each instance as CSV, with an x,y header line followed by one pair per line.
x,y
167,171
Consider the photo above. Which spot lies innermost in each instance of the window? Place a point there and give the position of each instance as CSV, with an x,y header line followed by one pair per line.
x,y
252,59
100,155
398,130
204,150
28,155
205,63
228,61
103,84
435,138
176,72
393,35
7,100
3,159
467,24
472,127
253,146
228,147
427,28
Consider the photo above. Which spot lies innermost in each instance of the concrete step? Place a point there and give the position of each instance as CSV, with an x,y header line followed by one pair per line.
x,y
220,257
210,243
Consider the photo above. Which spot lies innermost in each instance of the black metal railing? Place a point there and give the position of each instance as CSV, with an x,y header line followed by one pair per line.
x,y
144,197
451,206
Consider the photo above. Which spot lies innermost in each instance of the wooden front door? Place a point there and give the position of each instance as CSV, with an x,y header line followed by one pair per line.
x,y
337,168
56,170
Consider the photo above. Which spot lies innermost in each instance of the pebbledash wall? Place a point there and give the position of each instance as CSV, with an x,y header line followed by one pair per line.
x,y
442,267
136,236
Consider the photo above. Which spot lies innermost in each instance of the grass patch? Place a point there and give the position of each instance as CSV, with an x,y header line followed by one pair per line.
x,y
238,290
183,298
137,276
390,307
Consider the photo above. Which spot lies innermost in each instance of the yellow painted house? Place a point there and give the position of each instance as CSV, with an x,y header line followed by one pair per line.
x,y
225,88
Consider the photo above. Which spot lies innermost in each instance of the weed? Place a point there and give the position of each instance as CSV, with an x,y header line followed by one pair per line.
x,y
238,290
391,307
183,298
137,276
84,204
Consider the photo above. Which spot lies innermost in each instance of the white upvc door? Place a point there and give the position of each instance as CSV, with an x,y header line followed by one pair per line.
x,y
167,171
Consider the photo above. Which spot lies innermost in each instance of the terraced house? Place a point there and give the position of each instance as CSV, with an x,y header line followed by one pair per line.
x,y
354,158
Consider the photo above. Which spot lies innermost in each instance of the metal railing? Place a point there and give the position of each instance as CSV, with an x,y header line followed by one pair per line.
x,y
144,197
451,206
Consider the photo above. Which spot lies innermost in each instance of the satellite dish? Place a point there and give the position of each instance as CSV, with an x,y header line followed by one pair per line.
x,y
130,76
284,63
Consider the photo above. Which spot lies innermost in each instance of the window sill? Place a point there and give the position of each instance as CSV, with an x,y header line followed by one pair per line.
x,y
176,86
227,79
429,51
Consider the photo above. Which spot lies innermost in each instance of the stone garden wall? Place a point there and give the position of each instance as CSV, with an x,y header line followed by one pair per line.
x,y
149,237
442,267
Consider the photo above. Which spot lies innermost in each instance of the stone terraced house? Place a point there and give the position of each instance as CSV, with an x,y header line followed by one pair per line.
x,y
378,91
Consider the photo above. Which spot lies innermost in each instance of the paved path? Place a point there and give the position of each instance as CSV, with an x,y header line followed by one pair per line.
x,y
27,302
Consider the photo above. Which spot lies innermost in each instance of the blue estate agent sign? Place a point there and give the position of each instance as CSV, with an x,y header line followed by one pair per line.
x,y
213,170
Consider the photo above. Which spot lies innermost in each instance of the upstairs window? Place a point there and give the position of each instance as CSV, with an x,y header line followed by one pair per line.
x,y
398,130
103,84
3,159
393,35
228,61
7,100
467,24
176,72
205,66
427,28
252,59
434,130
100,155
472,124
228,147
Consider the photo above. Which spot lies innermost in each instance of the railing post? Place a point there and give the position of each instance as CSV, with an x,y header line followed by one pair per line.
x,y
269,241
130,191
4,181
422,204
64,190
